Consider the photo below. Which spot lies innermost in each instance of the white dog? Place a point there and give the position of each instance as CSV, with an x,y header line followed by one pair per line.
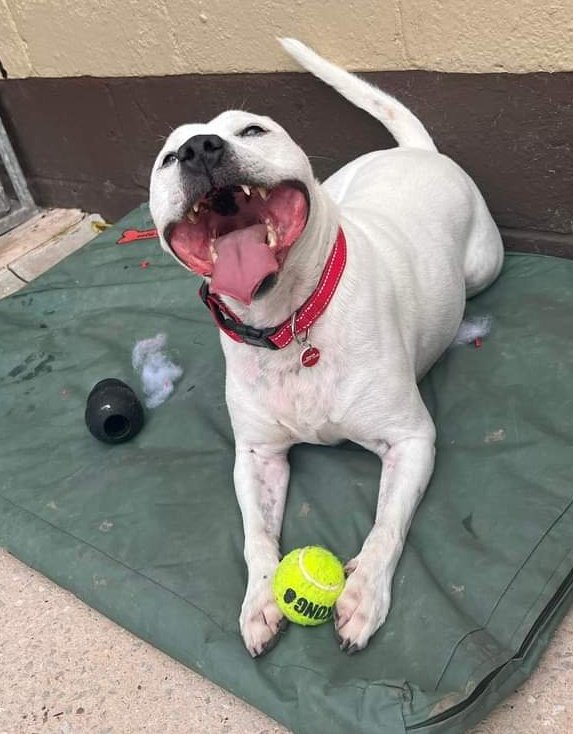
x,y
333,300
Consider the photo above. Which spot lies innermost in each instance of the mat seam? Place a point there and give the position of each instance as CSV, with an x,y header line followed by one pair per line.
x,y
483,628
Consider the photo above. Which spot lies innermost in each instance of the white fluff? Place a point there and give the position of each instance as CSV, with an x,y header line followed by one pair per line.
x,y
477,327
158,374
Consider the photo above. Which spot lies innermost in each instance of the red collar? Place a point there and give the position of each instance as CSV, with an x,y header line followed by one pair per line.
x,y
299,323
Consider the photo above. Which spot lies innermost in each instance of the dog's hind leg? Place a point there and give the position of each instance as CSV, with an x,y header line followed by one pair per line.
x,y
261,480
363,605
484,252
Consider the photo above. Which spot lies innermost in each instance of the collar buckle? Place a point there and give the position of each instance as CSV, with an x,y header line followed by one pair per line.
x,y
223,316
251,335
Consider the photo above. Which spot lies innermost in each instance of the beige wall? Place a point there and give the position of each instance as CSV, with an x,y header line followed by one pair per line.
x,y
156,37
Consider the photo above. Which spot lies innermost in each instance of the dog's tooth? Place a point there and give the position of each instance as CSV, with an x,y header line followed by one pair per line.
x,y
213,252
196,206
246,190
272,238
263,193
191,217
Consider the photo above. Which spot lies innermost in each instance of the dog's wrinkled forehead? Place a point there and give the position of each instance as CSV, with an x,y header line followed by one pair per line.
x,y
228,125
247,136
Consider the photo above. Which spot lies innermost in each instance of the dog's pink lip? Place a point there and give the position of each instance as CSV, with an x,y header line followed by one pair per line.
x,y
222,235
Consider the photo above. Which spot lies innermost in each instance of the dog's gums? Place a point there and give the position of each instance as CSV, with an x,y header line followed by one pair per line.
x,y
240,235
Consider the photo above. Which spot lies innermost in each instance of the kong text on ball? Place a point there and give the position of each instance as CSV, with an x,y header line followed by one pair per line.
x,y
307,583
113,412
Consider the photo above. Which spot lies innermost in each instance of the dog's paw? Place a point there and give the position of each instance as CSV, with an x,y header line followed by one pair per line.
x,y
361,608
261,621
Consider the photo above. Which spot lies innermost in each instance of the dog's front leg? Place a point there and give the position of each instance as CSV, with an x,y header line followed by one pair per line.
x,y
364,603
261,479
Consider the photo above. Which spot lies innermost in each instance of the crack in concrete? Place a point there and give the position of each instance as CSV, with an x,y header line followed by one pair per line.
x,y
23,43
10,268
401,33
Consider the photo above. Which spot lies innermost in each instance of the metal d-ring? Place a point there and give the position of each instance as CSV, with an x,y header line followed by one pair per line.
x,y
301,342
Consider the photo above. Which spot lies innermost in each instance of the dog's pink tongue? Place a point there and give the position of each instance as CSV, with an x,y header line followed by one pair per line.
x,y
244,261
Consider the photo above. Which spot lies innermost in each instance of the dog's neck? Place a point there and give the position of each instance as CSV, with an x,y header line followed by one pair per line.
x,y
302,269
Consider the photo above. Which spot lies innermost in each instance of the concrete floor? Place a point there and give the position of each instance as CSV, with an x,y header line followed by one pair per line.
x,y
65,669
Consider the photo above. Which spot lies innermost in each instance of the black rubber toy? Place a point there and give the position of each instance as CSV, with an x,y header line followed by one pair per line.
x,y
113,412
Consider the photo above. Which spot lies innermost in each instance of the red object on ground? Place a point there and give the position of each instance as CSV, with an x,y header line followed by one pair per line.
x,y
144,264
134,235
478,342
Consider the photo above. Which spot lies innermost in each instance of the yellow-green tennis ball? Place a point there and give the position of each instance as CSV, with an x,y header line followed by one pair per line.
x,y
307,583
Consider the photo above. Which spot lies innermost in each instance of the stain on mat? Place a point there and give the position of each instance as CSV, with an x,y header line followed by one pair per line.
x,y
34,365
467,522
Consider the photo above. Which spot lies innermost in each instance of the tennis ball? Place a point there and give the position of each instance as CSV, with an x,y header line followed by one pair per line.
x,y
307,583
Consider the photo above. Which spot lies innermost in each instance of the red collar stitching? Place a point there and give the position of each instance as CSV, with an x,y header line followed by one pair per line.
x,y
311,310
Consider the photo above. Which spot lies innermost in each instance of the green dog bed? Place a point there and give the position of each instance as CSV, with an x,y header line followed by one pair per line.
x,y
149,532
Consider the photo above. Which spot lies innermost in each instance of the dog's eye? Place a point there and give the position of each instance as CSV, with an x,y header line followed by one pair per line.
x,y
252,130
169,159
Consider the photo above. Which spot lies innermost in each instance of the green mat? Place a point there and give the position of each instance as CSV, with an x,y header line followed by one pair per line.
x,y
150,534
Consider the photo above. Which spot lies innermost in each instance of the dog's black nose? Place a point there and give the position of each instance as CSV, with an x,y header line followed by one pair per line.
x,y
202,152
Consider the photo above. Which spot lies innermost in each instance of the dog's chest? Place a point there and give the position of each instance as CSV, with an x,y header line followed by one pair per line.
x,y
305,401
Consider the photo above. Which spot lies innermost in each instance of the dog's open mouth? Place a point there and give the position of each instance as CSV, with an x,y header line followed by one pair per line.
x,y
239,236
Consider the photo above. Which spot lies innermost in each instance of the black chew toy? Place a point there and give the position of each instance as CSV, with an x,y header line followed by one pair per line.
x,y
113,412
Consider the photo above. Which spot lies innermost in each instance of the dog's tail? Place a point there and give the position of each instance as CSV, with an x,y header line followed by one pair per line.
x,y
403,124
